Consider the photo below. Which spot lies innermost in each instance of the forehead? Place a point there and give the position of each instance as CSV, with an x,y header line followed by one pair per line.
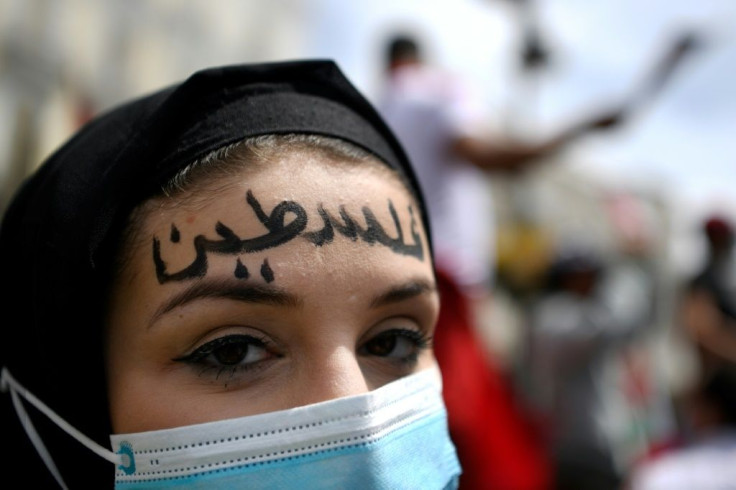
x,y
282,171
305,177
293,211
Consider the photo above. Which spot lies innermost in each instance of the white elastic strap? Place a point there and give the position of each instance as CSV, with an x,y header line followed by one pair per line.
x,y
36,439
8,382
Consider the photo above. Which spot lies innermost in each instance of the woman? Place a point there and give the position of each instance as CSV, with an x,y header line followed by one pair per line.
x,y
229,283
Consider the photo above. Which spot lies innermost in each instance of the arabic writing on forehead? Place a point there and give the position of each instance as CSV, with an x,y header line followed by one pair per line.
x,y
280,232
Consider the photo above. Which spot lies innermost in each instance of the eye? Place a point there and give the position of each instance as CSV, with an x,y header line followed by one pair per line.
x,y
229,353
401,345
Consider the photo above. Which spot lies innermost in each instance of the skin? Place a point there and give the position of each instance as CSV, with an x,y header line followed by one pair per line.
x,y
338,319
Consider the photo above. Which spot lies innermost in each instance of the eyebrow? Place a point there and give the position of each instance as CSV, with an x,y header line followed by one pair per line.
x,y
258,294
402,292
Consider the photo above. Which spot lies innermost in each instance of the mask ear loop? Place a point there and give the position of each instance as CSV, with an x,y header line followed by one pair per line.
x,y
8,383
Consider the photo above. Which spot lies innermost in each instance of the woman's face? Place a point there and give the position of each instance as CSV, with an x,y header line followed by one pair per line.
x,y
235,304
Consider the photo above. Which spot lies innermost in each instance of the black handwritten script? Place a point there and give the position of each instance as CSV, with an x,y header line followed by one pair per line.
x,y
279,231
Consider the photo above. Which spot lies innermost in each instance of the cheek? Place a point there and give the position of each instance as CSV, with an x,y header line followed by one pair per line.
x,y
128,348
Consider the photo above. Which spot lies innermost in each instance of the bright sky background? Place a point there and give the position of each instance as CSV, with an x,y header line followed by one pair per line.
x,y
683,142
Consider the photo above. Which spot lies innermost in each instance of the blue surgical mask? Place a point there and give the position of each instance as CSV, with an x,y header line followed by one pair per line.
x,y
394,437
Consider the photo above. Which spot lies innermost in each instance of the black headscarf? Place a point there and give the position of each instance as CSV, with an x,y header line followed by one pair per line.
x,y
57,233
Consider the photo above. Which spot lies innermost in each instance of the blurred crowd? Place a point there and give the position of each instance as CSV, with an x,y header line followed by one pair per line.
x,y
574,358
619,371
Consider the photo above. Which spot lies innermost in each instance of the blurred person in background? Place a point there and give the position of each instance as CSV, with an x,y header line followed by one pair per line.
x,y
441,122
578,331
705,454
709,299
706,460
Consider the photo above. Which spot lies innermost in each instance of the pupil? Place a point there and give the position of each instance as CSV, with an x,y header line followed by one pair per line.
x,y
231,354
383,346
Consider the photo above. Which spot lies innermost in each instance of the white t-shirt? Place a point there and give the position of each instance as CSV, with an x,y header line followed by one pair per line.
x,y
428,109
710,464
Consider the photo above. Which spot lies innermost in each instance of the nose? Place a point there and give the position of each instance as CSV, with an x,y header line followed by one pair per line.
x,y
332,376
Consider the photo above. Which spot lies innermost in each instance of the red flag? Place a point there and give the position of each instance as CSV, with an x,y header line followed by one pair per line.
x,y
497,446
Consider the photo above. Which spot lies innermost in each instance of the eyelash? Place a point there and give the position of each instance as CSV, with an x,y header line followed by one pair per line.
x,y
205,356
201,356
420,342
